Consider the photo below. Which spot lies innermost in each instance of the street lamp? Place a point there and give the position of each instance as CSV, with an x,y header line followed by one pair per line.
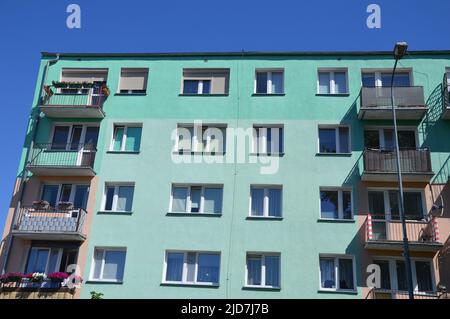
x,y
399,52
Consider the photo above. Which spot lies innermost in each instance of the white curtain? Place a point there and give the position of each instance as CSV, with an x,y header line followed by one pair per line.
x,y
174,270
272,264
254,271
125,198
179,195
275,202
257,201
327,274
114,265
212,200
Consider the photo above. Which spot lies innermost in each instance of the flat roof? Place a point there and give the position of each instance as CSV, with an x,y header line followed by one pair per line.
x,y
241,53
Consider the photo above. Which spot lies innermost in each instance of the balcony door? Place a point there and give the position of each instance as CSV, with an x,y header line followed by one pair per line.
x,y
383,139
76,194
384,79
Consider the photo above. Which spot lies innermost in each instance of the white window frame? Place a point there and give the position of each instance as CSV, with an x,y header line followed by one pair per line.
x,y
197,136
266,201
259,143
116,196
387,204
131,91
262,256
58,196
185,268
188,198
340,191
124,137
104,250
332,84
336,258
378,72
381,129
84,127
336,136
393,272
49,249
269,80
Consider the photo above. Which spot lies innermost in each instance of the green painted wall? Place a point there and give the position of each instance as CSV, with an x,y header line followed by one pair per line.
x,y
299,237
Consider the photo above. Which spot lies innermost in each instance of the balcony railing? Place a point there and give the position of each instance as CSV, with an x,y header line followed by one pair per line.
x,y
71,159
396,294
412,161
48,221
376,103
446,98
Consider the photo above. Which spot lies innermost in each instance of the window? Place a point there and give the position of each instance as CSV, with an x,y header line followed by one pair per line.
x,y
74,137
75,75
334,140
336,204
337,273
383,138
265,201
43,260
269,82
205,81
118,198
126,138
268,140
263,270
133,80
108,264
384,78
192,268
196,199
201,138
55,193
332,81
384,205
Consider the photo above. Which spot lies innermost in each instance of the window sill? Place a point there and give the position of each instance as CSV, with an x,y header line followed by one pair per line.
x,y
106,282
211,95
199,153
182,284
332,220
131,94
181,214
107,212
351,292
246,287
334,154
123,152
268,94
263,218
268,154
333,95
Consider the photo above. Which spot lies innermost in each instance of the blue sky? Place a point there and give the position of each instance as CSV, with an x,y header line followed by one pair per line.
x,y
29,27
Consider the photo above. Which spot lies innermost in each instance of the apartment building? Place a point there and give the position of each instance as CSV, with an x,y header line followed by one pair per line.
x,y
231,175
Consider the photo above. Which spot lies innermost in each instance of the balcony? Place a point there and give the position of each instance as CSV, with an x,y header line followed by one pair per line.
x,y
48,159
376,103
395,294
74,102
383,234
446,98
380,165
48,223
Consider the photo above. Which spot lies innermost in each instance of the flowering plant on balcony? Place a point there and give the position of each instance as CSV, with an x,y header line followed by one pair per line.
x,y
11,277
58,276
36,277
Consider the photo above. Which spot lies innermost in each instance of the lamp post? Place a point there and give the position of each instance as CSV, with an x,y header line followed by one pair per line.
x,y
399,52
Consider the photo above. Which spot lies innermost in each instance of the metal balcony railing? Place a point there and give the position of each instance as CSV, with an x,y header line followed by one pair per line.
x,y
92,96
419,230
411,161
446,92
63,155
50,220
411,96
377,293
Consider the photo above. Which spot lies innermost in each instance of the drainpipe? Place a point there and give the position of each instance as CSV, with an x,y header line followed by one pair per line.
x,y
9,240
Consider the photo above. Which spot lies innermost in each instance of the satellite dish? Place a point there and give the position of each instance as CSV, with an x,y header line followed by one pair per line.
x,y
437,210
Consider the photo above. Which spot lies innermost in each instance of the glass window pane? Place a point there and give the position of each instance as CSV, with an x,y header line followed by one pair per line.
x,y
133,141
272,264
185,136
114,265
125,199
75,139
274,202
274,140
401,79
49,194
118,137
179,195
257,195
388,139
60,136
385,274
195,199
261,82
190,87
344,139
327,273
376,204
407,140
208,268
324,83
329,206
368,79
347,204
109,197
340,83
277,83
413,205
81,196
91,136
213,200
371,139
401,275
394,200
37,261
98,258
327,140
174,270
423,275
206,87
66,189
53,261
254,269
346,274
191,261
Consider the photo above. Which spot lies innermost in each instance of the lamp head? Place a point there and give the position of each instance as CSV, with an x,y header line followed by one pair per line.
x,y
400,50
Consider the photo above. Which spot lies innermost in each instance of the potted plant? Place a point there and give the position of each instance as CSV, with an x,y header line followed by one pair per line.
x,y
105,89
60,85
12,277
58,276
40,205
75,85
37,277
65,205
87,85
